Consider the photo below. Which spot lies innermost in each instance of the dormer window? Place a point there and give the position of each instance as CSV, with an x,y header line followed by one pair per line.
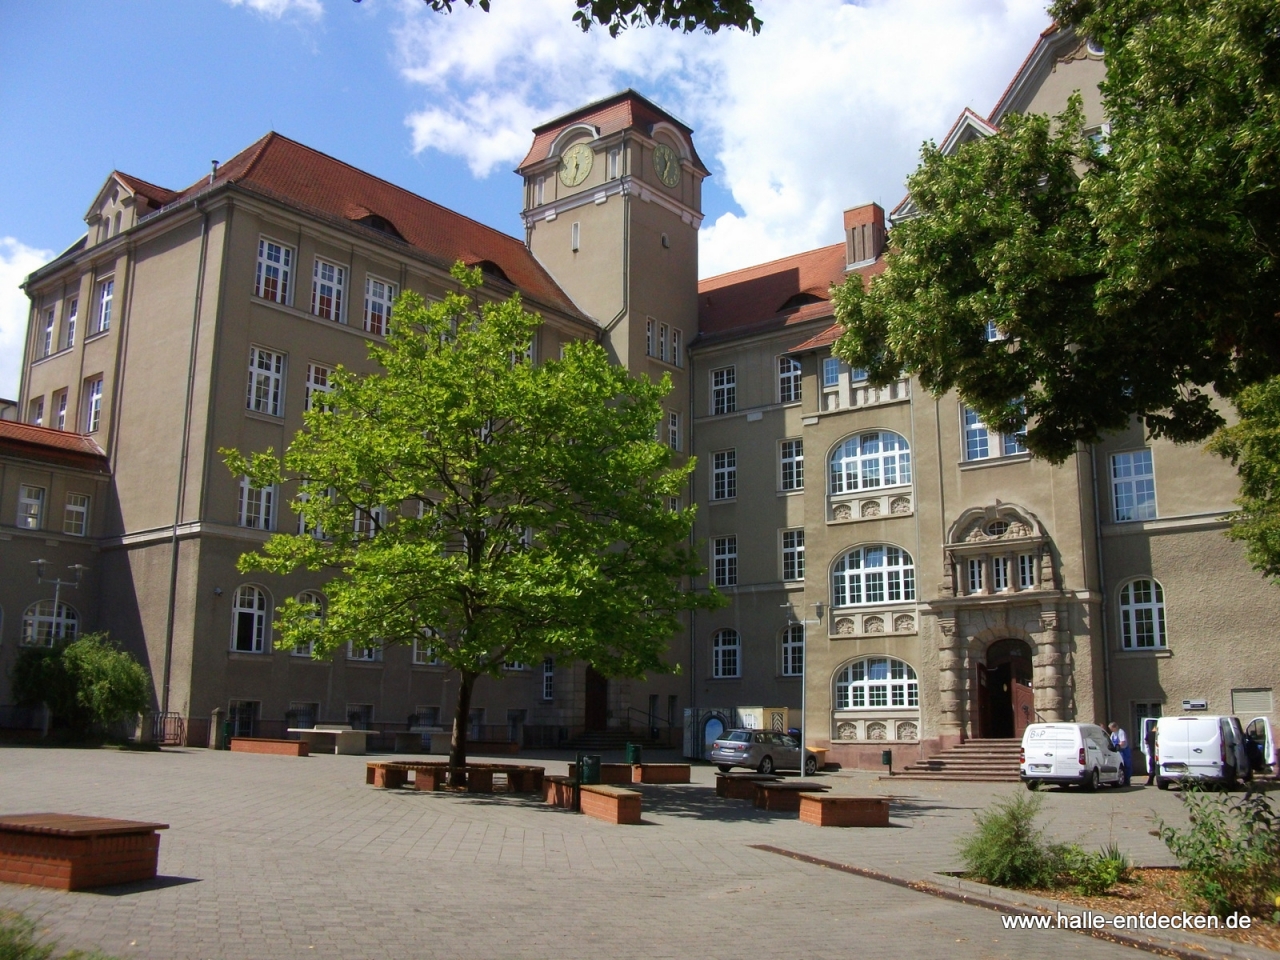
x,y
375,222
799,300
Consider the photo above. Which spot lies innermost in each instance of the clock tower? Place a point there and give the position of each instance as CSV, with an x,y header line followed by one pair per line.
x,y
612,206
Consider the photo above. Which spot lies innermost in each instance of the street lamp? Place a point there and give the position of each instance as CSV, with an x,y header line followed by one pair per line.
x,y
804,667
58,583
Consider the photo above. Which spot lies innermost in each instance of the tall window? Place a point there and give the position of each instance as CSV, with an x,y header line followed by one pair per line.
x,y
266,382
999,573
93,405
42,625
317,383
35,415
75,518
1142,616
1026,571
677,347
257,505
977,575
792,464
724,475
315,602
60,410
793,650
724,390
275,263
726,650
614,156
648,337
368,522
539,191
792,554
307,524
106,294
328,280
981,442
30,507
378,298
69,330
1133,486
370,652
877,682
46,344
424,651
663,334
724,556
874,574
575,236
249,620
831,371
788,380
673,430
548,679
869,461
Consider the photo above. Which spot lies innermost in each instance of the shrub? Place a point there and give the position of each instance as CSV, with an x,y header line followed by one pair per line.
x,y
1008,849
18,942
1230,851
89,682
1093,874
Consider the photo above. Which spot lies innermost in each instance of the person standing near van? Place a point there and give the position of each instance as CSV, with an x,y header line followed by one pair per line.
x,y
1151,753
1120,741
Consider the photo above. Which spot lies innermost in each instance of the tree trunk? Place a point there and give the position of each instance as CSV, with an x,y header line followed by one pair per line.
x,y
461,716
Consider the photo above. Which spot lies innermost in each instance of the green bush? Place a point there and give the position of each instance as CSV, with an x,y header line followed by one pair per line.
x,y
1093,874
18,942
1230,851
89,682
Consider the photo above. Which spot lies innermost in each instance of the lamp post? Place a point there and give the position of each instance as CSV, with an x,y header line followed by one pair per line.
x,y
804,669
58,583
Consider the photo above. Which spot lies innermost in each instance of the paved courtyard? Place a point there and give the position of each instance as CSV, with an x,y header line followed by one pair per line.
x,y
275,857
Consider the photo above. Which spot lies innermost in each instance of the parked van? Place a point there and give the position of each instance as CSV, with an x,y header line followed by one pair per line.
x,y
1069,753
1213,748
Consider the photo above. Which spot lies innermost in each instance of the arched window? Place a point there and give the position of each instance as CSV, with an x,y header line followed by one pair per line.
x,y
315,601
877,683
873,574
249,620
870,461
726,649
42,626
1142,615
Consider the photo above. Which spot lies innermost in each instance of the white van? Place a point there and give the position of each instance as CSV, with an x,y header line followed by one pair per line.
x,y
1215,748
1069,753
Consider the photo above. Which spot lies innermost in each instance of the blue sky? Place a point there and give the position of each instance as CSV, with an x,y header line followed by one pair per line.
x,y
824,110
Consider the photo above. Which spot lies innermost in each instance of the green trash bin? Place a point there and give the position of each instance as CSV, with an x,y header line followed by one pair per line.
x,y
634,753
589,769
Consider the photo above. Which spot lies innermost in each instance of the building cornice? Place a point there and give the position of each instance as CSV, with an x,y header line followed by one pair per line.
x,y
628,186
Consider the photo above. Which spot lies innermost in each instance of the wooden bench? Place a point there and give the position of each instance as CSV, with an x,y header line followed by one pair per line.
x,y
824,810
660,773
782,797
742,786
610,803
390,774
72,852
281,748
615,773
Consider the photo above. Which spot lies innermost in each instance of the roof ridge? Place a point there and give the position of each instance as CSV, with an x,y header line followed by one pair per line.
x,y
769,263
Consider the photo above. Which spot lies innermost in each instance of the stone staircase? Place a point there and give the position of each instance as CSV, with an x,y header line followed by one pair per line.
x,y
597,741
978,760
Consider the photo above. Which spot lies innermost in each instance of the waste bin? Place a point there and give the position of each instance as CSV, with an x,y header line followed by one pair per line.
x,y
226,735
589,769
634,753
886,758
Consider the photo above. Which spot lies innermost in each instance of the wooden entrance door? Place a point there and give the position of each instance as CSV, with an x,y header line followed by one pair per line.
x,y
1024,707
597,705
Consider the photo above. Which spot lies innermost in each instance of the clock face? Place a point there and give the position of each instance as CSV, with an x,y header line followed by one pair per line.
x,y
575,164
666,165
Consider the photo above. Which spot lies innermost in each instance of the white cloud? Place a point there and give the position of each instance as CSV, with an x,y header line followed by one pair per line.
x,y
275,9
825,109
16,261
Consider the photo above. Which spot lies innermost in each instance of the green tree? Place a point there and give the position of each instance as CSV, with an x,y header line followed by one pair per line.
x,y
1253,447
486,508
86,683
616,15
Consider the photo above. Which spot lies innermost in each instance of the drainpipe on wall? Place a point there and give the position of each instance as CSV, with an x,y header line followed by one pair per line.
x,y
1102,585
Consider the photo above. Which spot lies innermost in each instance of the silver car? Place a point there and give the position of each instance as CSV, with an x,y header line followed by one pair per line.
x,y
761,750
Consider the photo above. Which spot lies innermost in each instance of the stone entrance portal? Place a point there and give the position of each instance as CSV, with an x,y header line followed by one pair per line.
x,y
1004,701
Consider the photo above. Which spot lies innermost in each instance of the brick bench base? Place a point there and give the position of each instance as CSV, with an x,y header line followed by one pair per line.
x,y
781,797
660,773
281,748
827,811
612,804
76,853
740,786
614,773
558,791
431,775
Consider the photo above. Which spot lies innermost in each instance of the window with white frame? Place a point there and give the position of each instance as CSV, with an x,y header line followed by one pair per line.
x,y
539,191
43,625
517,665
1142,616
873,574
369,521
318,382
673,430
315,604
548,679
663,335
93,405
877,683
60,410
275,264
1000,574
992,331
831,368
75,517
977,575
307,525
46,341
724,390
69,328
266,382
726,651
724,475
614,156
328,281
1026,571
424,650
1133,486
35,412
249,620
106,295
724,561
256,506
367,653
575,236
792,554
30,507
379,295
870,461
792,464
673,504
788,380
793,650
981,442
677,347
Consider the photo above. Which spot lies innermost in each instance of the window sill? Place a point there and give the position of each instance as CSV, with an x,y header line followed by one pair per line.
x,y
264,656
995,461
294,312
264,417
723,680
51,356
363,663
1159,654
96,336
791,493
723,500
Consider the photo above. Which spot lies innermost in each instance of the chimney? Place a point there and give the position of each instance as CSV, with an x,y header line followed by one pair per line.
x,y
863,233
214,172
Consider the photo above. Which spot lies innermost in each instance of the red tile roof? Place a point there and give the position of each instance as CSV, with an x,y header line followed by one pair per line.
x,y
52,446
156,196
824,339
621,111
295,174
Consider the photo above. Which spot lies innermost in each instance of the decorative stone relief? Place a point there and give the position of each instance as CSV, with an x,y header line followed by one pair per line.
x,y
871,508
1018,529
845,627
900,505
904,623
976,535
846,731
843,512
907,730
877,731
873,624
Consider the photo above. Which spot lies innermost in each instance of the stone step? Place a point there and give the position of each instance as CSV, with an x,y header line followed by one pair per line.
x,y
986,760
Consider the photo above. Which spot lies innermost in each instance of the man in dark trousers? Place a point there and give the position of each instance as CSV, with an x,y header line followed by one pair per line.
x,y
1151,753
1120,740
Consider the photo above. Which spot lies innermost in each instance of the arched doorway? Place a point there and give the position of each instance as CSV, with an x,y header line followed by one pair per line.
x,y
1004,701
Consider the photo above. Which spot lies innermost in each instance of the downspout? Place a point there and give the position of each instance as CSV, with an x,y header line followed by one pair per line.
x,y
693,613
1102,583
182,461
626,269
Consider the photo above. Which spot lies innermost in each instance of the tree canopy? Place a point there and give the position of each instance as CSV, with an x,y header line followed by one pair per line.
x,y
85,683
616,15
487,509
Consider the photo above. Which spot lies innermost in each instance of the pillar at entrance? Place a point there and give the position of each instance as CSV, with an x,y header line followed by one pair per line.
x,y
952,682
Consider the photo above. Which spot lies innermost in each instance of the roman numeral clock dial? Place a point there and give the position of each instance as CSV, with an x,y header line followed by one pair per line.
x,y
666,165
575,164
